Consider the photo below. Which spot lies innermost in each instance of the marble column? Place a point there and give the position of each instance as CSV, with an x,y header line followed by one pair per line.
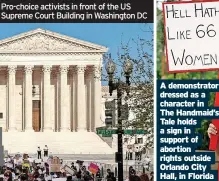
x,y
74,99
97,97
81,121
88,98
28,70
65,126
46,98
11,97
57,100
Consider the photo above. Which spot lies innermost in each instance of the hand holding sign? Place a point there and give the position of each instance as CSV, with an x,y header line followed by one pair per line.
x,y
212,130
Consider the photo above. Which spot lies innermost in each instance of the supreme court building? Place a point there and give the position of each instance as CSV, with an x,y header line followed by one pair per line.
x,y
50,93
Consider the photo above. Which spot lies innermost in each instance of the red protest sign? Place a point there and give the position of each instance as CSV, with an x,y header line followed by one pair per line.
x,y
93,168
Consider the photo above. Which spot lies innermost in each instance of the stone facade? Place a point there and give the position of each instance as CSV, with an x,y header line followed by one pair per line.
x,y
62,71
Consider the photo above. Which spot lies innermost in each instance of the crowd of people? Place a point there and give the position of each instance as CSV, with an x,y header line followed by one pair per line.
x,y
24,168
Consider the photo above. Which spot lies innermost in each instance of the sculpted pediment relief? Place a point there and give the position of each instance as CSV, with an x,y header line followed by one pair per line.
x,y
41,41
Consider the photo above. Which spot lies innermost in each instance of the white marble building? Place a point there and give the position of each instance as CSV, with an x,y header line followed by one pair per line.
x,y
51,93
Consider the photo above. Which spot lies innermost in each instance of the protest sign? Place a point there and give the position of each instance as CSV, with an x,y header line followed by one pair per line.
x,y
58,179
93,168
38,160
55,165
68,170
191,36
9,165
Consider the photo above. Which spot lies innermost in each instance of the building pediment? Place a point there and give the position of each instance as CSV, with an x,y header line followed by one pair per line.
x,y
40,40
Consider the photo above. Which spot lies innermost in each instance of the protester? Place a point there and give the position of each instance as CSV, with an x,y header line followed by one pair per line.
x,y
69,178
152,176
73,167
112,176
137,153
25,168
108,176
98,175
144,177
134,178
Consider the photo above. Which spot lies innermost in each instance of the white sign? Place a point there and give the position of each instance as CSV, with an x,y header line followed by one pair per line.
x,y
38,160
69,170
9,165
192,36
58,179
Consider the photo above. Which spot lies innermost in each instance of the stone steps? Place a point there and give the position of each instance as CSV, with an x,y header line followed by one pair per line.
x,y
58,143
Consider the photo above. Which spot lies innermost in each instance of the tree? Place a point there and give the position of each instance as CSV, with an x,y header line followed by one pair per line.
x,y
141,98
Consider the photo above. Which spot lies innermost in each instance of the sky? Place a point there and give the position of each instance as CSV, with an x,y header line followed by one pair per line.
x,y
105,34
109,35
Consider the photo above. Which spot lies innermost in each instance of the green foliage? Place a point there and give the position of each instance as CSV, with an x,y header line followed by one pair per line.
x,y
140,100
160,41
204,126
204,134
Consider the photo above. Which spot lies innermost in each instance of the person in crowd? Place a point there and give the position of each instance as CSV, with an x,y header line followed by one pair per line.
x,y
39,153
108,171
69,178
152,176
132,175
147,162
134,178
140,153
8,174
144,177
78,177
73,167
98,175
46,150
13,174
137,153
112,176
131,171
